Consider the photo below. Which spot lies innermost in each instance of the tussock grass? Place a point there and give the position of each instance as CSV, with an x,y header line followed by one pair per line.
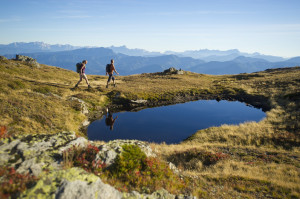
x,y
36,100
262,159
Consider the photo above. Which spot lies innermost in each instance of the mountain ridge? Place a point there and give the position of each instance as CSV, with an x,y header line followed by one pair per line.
x,y
126,64
204,54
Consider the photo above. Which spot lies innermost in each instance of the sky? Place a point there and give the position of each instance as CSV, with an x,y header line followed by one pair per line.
x,y
270,27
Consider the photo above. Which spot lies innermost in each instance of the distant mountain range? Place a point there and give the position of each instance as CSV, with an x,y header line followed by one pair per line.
x,y
32,47
136,61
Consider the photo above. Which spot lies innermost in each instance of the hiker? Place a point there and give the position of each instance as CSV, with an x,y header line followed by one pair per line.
x,y
81,70
110,69
109,121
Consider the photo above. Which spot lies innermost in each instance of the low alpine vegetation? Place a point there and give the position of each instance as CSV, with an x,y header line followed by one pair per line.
x,y
132,170
13,183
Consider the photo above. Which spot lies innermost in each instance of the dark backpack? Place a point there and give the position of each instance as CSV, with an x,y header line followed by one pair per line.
x,y
79,67
109,68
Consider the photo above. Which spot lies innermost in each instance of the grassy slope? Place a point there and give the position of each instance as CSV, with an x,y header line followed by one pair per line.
x,y
260,157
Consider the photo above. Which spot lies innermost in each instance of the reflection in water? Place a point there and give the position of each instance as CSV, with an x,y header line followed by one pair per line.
x,y
109,121
171,124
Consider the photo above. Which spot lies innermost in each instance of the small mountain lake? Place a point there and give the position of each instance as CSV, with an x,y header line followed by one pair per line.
x,y
171,124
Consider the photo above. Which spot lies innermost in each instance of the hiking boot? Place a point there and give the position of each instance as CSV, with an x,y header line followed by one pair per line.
x,y
76,86
114,85
89,86
106,86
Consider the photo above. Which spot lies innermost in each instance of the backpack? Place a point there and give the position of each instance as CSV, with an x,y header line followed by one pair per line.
x,y
79,67
109,68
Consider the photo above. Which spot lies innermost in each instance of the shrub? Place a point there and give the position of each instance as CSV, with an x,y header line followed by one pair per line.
x,y
132,159
184,158
132,170
3,132
137,172
13,183
84,158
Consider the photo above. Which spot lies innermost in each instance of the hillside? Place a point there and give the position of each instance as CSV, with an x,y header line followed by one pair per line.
x,y
251,160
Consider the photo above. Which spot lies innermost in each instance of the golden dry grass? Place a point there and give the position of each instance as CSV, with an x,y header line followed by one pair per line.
x,y
36,100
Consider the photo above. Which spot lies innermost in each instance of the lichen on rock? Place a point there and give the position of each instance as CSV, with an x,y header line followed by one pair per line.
x,y
110,150
33,153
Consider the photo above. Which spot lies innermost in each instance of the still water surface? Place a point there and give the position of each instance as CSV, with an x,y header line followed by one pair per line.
x,y
171,124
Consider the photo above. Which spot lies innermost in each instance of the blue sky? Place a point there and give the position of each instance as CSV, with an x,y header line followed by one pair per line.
x,y
267,26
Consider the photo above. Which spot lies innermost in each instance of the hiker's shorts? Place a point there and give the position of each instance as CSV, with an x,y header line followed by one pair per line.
x,y
111,77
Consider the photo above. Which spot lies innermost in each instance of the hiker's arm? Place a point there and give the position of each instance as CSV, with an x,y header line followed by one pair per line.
x,y
116,71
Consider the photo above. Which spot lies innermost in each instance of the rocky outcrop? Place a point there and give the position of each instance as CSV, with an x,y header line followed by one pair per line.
x,y
80,105
27,59
33,153
77,183
41,155
109,151
24,58
173,70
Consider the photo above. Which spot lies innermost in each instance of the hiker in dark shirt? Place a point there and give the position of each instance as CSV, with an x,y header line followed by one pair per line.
x,y
82,74
110,69
109,121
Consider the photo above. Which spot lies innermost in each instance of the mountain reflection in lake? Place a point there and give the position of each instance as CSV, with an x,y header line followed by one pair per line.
x,y
171,124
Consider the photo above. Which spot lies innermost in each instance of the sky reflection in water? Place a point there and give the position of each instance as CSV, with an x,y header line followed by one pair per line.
x,y
171,124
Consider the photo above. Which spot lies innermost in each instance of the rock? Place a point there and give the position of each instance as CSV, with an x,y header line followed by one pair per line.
x,y
139,101
24,58
41,156
79,142
82,189
173,167
85,123
83,106
3,58
52,183
170,70
110,150
33,153
173,70
180,72
27,59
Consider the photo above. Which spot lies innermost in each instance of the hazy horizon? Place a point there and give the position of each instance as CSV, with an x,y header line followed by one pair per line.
x,y
270,27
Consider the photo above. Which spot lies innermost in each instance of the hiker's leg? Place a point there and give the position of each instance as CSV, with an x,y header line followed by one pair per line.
x,y
108,80
86,79
113,78
80,79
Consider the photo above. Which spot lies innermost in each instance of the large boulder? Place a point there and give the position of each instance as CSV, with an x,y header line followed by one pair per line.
x,y
31,61
32,153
